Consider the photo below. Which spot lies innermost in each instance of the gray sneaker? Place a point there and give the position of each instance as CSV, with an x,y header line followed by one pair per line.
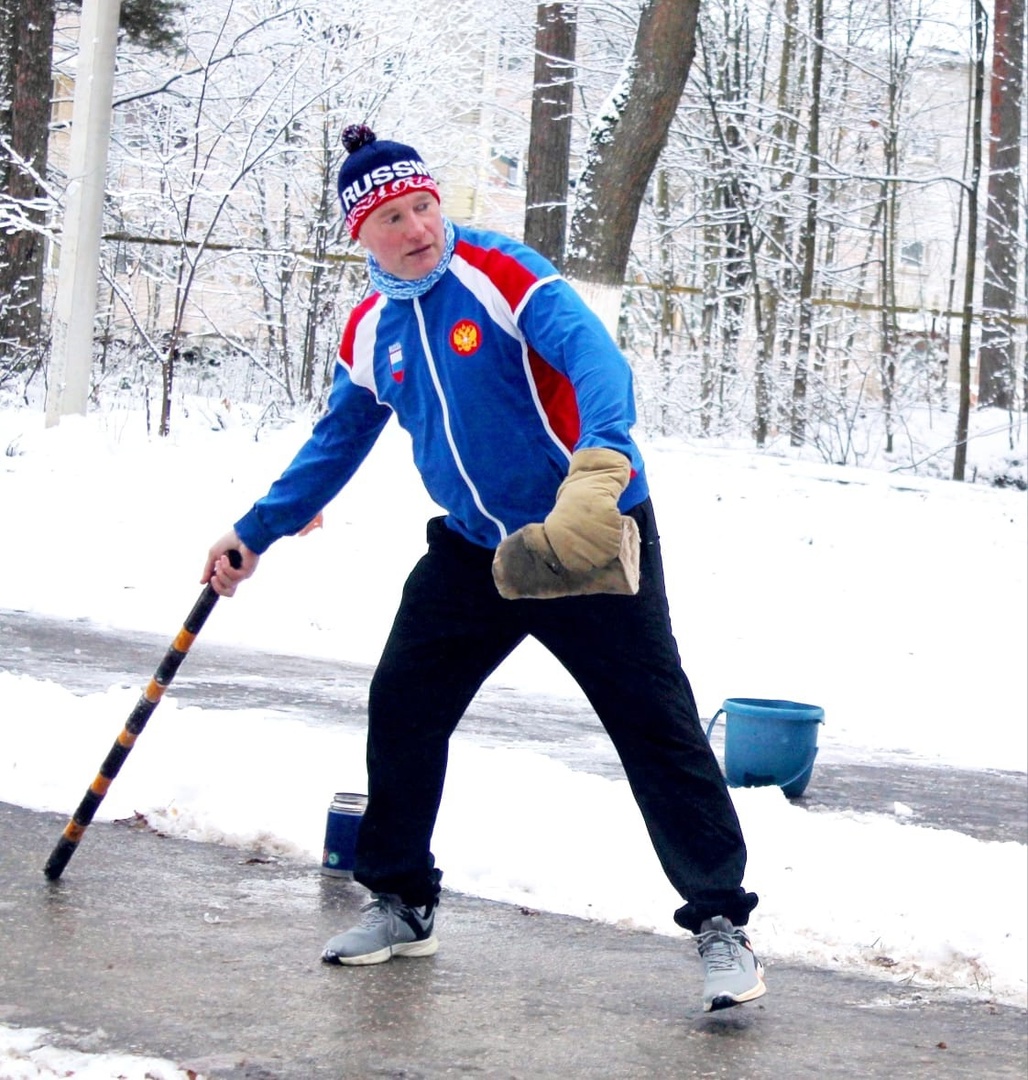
x,y
734,974
388,927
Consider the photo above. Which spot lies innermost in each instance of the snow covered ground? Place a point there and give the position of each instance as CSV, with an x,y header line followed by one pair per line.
x,y
899,604
25,1054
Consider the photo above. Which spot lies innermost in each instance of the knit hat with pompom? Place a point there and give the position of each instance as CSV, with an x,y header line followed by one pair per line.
x,y
376,171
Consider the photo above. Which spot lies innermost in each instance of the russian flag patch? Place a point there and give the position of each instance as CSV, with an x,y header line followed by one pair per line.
x,y
396,362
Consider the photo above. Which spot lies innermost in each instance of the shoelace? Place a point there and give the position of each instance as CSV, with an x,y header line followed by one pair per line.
x,y
719,950
372,912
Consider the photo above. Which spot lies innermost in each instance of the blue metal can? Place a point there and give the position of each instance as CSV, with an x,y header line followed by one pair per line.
x,y
344,818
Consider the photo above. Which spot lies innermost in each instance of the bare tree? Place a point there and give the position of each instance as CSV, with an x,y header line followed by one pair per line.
x,y
212,163
224,175
783,164
901,32
808,236
978,87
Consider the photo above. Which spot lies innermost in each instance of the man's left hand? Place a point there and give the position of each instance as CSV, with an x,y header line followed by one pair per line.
x,y
585,545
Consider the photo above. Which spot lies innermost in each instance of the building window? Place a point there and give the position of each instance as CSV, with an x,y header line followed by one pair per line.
x,y
922,146
512,54
912,253
509,168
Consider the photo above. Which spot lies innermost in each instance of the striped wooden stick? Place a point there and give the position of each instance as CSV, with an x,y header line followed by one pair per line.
x,y
76,827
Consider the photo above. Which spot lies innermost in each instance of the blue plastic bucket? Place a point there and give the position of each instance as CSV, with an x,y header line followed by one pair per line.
x,y
344,818
769,742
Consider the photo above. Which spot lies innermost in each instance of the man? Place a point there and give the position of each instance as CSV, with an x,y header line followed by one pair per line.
x,y
519,406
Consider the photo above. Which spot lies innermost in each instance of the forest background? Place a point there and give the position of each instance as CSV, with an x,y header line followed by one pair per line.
x,y
804,219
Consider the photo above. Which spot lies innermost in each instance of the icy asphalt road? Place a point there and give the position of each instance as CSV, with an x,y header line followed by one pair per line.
x,y
191,952
195,953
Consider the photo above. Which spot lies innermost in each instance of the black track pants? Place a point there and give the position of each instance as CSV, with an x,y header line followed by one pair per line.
x,y
453,629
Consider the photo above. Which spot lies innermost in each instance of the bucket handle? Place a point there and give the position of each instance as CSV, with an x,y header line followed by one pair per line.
x,y
785,783
710,726
806,765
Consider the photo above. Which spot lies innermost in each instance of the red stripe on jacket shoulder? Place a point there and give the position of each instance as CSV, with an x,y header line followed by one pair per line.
x,y
350,332
508,274
557,398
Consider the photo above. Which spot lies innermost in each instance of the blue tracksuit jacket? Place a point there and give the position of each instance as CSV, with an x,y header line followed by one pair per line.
x,y
498,373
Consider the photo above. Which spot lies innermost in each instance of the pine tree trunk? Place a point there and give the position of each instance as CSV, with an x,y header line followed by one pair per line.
x,y
546,188
996,367
627,140
27,31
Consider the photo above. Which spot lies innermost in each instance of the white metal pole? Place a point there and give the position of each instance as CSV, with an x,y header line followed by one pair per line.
x,y
78,273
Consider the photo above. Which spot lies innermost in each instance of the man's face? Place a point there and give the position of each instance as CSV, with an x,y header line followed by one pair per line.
x,y
405,235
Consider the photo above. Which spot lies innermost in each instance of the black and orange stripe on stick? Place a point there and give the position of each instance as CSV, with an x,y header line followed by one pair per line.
x,y
73,831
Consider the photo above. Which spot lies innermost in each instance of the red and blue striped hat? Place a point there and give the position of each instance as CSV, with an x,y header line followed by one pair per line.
x,y
376,171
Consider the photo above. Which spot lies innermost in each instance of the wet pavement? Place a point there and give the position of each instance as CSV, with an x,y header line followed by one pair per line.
x,y
197,953
192,952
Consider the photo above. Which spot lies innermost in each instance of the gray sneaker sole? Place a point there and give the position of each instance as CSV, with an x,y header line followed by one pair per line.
x,y
726,1000
427,947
